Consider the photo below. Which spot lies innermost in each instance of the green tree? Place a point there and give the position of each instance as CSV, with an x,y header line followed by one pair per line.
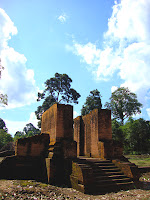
x,y
18,135
30,130
3,125
137,136
4,138
123,104
57,89
117,132
93,101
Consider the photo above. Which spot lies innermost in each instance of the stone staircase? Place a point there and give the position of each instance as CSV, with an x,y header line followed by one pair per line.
x,y
107,177
100,177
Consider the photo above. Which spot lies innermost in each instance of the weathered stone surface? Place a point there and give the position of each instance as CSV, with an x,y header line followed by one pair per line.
x,y
90,129
79,135
81,177
57,121
33,146
128,168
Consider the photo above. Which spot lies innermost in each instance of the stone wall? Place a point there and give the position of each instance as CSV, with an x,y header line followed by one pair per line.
x,y
87,134
33,146
77,133
93,134
104,125
58,122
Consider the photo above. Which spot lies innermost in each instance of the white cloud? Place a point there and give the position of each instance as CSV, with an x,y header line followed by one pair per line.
x,y
14,126
17,81
62,18
130,20
75,114
126,47
148,111
113,88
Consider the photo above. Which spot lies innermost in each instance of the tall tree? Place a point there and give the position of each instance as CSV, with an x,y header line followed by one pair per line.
x,y
4,138
57,89
2,124
31,130
137,136
117,133
92,101
123,104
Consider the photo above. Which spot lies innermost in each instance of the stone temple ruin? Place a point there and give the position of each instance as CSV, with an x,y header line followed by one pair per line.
x,y
79,153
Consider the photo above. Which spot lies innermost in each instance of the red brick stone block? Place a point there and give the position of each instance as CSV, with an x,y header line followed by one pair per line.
x,y
90,129
32,146
57,121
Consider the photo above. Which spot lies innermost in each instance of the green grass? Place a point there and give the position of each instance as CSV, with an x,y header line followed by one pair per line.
x,y
25,183
139,160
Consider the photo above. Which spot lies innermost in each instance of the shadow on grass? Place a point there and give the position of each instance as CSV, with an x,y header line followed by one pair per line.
x,y
143,185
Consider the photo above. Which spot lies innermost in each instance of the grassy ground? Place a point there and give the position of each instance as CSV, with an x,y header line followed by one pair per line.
x,y
139,160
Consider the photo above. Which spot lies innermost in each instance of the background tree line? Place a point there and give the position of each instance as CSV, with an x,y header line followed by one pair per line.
x,y
134,134
5,137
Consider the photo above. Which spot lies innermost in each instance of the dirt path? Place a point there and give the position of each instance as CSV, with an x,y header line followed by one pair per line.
x,y
22,189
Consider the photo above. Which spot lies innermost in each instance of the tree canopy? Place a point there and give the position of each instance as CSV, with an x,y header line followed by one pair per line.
x,y
2,124
19,134
57,89
5,137
31,130
134,134
123,104
93,101
28,130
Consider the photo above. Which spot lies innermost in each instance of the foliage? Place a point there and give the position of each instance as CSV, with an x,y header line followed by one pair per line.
x,y
3,99
19,134
3,125
48,102
135,135
123,104
30,130
92,101
117,132
57,89
4,138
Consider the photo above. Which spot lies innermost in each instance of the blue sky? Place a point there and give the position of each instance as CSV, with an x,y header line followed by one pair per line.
x,y
99,44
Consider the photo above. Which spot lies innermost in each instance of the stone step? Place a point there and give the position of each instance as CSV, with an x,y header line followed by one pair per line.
x,y
106,176
109,177
102,164
111,181
94,160
106,170
112,187
105,167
